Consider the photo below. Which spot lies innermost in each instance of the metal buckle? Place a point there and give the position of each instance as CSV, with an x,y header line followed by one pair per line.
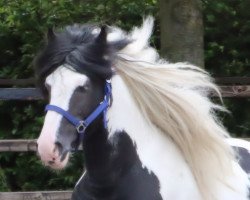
x,y
81,127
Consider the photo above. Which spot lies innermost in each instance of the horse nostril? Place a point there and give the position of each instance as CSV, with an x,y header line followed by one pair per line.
x,y
59,147
51,162
62,150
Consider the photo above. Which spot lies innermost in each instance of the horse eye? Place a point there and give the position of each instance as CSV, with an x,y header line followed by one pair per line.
x,y
82,88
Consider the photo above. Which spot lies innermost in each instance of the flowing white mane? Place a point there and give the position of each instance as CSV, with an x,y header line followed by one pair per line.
x,y
174,98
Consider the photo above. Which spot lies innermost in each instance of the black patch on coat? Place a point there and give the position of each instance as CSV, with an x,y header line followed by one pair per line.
x,y
119,175
243,158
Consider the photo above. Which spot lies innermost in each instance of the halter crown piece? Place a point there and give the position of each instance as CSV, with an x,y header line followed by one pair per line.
x,y
81,125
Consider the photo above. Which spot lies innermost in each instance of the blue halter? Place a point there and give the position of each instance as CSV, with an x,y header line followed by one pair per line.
x,y
81,125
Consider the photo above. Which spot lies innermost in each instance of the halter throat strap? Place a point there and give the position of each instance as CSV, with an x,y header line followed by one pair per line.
x,y
82,124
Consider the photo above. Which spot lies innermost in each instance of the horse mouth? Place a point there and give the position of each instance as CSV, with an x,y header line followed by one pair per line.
x,y
56,159
59,162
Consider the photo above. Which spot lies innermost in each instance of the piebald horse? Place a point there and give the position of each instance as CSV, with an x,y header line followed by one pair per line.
x,y
148,128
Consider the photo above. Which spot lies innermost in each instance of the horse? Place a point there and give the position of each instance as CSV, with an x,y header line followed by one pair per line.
x,y
148,127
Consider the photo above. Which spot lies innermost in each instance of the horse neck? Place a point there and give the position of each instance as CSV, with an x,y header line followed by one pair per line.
x,y
130,142
104,156
104,147
149,142
124,115
95,147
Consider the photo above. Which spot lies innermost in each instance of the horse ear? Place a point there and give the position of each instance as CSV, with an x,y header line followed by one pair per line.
x,y
50,33
102,37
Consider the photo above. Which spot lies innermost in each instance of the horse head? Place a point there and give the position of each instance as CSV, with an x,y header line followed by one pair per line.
x,y
72,70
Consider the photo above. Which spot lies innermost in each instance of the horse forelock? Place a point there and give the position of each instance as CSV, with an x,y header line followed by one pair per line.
x,y
78,46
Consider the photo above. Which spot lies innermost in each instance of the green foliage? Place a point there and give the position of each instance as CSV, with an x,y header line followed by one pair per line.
x,y
23,24
24,171
227,42
3,183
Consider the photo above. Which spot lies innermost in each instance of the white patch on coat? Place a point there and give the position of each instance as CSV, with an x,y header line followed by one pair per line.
x,y
172,171
240,183
159,155
62,82
126,116
239,143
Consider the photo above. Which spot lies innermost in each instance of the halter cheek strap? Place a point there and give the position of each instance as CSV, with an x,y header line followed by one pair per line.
x,y
81,125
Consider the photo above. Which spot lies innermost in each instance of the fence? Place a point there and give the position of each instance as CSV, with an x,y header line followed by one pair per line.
x,y
231,87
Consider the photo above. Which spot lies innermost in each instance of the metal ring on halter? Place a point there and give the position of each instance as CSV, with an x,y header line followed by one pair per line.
x,y
81,127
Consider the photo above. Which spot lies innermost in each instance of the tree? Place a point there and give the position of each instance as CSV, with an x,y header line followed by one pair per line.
x,y
182,31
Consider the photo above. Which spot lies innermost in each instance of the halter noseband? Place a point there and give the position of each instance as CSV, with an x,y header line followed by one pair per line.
x,y
81,125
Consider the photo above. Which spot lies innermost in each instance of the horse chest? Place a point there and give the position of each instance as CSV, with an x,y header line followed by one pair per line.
x,y
126,176
123,178
135,185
